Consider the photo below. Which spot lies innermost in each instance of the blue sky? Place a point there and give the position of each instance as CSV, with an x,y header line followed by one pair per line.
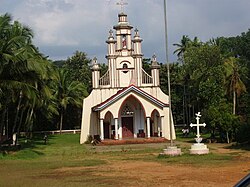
x,y
63,26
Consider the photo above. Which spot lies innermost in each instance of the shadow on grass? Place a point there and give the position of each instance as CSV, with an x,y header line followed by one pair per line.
x,y
237,146
25,149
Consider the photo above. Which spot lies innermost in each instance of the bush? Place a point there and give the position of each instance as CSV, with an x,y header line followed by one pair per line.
x,y
243,135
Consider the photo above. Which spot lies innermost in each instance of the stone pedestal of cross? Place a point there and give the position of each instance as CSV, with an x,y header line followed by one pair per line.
x,y
198,148
198,125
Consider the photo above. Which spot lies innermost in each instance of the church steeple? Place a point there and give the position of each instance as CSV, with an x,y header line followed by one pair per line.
x,y
124,55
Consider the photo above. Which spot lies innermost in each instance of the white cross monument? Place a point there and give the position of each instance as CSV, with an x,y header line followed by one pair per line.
x,y
198,148
198,125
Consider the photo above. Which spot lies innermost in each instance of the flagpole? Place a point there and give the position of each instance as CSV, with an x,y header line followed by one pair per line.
x,y
168,72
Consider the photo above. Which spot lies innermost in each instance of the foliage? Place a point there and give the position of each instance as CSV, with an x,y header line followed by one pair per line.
x,y
67,92
243,135
33,92
214,79
24,74
78,69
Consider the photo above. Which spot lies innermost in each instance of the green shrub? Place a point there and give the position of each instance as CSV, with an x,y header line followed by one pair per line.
x,y
243,134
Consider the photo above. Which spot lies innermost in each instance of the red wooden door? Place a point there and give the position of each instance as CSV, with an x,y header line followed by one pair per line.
x,y
127,127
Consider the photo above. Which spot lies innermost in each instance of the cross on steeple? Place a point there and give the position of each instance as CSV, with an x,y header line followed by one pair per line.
x,y
121,3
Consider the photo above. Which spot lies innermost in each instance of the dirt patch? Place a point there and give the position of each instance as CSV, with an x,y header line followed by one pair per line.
x,y
156,174
140,173
153,173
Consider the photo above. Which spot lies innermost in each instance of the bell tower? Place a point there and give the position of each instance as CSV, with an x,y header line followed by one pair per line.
x,y
124,56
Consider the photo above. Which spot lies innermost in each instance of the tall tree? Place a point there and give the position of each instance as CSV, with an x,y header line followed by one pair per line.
x,y
68,92
234,84
78,69
182,46
22,72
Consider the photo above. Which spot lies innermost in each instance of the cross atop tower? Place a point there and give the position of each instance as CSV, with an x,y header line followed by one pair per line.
x,y
122,3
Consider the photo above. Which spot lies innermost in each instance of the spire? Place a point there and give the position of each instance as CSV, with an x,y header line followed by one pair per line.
x,y
136,32
154,63
137,37
95,65
111,35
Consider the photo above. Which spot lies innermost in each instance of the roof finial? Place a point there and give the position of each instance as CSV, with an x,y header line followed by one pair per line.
x,y
121,3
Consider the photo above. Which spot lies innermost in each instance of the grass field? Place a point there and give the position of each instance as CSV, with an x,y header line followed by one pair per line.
x,y
64,162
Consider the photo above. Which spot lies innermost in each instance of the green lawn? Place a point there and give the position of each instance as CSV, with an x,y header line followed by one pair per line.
x,y
37,164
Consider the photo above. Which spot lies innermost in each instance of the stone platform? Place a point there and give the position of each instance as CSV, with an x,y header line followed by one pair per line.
x,y
199,149
172,151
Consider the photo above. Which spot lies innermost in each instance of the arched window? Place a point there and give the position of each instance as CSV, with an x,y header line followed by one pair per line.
x,y
127,111
125,67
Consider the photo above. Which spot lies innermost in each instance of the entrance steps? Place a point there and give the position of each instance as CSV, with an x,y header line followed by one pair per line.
x,y
133,141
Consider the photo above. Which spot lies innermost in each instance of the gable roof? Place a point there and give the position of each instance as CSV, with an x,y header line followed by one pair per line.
x,y
125,91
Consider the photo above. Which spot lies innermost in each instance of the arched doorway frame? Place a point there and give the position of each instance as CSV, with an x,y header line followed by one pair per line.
x,y
108,122
136,116
155,123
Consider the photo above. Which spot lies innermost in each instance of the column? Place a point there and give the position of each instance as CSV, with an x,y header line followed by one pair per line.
x,y
158,126
163,127
101,129
116,128
148,126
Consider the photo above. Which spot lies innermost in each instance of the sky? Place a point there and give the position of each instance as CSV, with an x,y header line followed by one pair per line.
x,y
63,26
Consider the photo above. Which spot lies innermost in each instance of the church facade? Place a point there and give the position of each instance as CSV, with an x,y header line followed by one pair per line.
x,y
126,102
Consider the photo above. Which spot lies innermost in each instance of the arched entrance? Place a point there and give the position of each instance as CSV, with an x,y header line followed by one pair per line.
x,y
108,126
155,124
132,118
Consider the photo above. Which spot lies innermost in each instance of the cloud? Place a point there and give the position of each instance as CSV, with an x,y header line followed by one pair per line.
x,y
63,26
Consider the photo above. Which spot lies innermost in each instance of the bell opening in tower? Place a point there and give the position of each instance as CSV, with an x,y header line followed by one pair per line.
x,y
124,42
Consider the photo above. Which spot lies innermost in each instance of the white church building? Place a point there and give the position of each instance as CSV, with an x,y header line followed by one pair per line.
x,y
126,102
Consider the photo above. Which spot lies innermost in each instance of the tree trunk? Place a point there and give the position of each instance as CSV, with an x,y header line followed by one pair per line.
x,y
227,137
20,123
234,102
29,122
7,123
17,111
2,123
61,121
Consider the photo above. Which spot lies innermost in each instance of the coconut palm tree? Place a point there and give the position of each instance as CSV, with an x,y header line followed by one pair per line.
x,y
22,67
67,92
182,46
234,84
